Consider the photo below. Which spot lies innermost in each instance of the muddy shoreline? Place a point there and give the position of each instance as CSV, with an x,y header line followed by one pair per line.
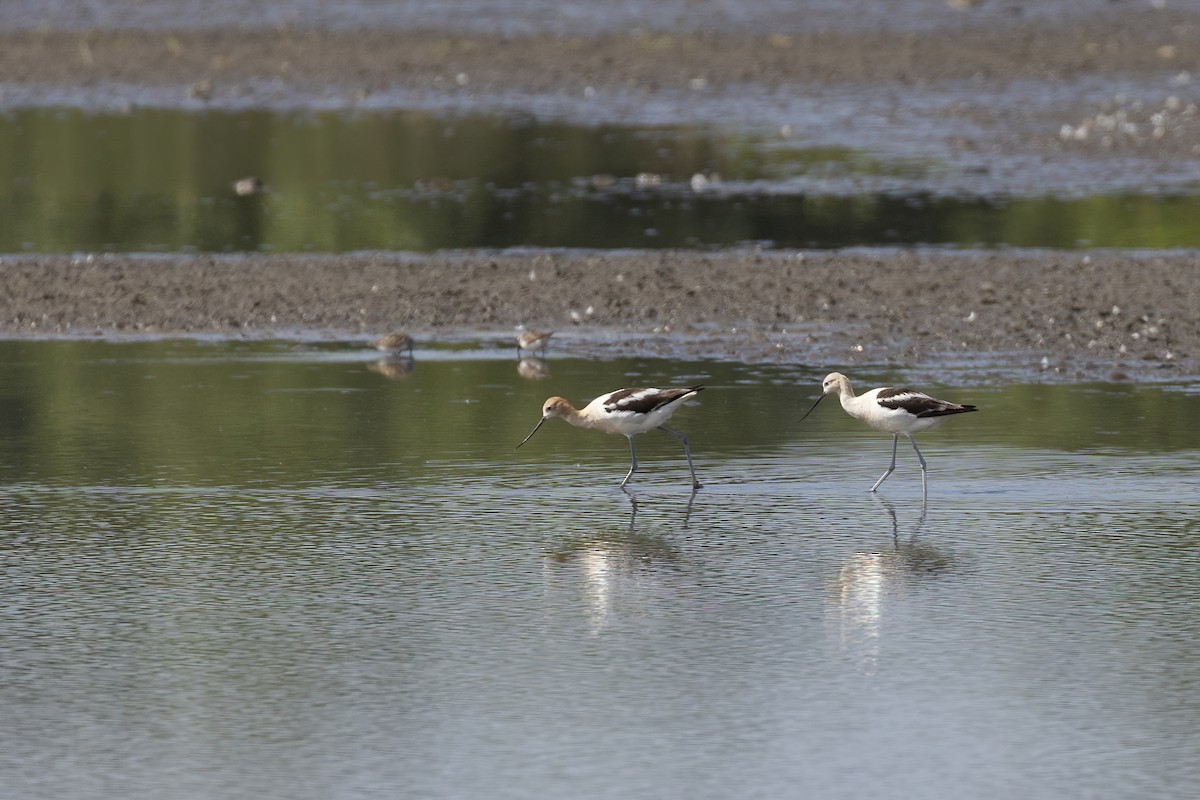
x,y
1127,41
1083,315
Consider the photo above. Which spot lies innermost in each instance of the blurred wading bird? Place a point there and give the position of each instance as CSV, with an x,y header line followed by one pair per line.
x,y
533,339
394,342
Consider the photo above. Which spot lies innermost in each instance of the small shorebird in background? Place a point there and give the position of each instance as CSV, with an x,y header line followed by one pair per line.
x,y
394,342
625,412
533,339
895,411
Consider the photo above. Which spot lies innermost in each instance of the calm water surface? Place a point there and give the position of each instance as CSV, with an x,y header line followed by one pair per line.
x,y
267,571
161,180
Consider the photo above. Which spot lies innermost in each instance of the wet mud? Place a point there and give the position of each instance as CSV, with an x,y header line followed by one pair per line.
x,y
1078,314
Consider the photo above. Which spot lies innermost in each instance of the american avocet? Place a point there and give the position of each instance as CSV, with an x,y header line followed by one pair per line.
x,y
394,343
533,339
894,411
626,412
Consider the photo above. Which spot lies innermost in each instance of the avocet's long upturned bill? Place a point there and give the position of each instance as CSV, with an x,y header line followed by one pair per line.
x,y
894,411
626,412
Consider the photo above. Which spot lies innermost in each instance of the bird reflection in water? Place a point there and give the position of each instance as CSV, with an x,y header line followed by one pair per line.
x,y
393,368
532,368
860,594
614,568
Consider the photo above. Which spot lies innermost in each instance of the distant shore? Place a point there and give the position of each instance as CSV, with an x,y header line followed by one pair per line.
x,y
998,103
1105,100
1128,39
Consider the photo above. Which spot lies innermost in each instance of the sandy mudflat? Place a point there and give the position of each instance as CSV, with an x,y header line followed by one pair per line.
x,y
1087,314
1130,39
989,94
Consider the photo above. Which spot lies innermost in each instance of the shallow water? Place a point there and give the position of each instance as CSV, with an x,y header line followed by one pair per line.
x,y
267,570
162,180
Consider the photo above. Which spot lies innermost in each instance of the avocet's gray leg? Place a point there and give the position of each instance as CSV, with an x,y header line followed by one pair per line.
x,y
924,487
892,468
687,451
632,462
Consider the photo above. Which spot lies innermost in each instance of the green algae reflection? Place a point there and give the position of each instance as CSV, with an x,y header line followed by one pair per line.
x,y
162,180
